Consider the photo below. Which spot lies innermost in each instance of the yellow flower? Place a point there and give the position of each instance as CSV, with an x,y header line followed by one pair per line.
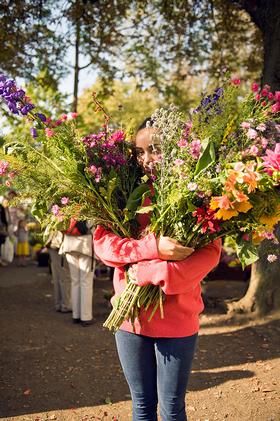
x,y
226,214
270,221
257,238
243,206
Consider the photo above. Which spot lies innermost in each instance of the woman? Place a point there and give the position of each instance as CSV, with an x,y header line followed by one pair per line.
x,y
77,245
156,356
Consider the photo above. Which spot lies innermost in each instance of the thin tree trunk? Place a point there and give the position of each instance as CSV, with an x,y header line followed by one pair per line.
x,y
76,68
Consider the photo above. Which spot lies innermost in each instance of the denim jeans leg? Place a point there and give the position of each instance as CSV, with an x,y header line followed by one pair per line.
x,y
137,357
174,359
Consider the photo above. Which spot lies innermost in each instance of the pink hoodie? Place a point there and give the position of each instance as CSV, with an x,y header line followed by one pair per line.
x,y
179,280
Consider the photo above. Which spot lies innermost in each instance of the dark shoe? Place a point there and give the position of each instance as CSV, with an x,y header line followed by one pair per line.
x,y
76,321
86,323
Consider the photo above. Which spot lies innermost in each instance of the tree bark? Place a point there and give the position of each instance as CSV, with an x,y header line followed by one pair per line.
x,y
266,15
263,294
76,67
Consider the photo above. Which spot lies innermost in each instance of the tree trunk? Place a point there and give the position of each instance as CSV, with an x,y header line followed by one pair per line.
x,y
76,68
263,294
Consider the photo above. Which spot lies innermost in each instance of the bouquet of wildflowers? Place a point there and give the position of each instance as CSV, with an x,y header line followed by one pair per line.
x,y
69,176
218,175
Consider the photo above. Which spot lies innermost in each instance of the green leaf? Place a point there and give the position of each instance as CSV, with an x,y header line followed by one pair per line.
x,y
207,157
191,206
135,198
247,253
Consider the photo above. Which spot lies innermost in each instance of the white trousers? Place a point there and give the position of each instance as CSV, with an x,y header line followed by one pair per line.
x,y
81,285
61,281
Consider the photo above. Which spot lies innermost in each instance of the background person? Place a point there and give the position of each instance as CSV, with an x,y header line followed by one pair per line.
x,y
77,245
60,274
22,250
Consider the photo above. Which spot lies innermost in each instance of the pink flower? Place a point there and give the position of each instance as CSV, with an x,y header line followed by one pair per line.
x,y
12,175
58,122
272,160
195,148
49,132
269,235
277,96
72,116
93,169
252,134
98,174
64,200
264,142
55,210
117,136
263,103
245,125
178,162
275,107
245,237
254,150
8,183
235,81
261,127
255,87
257,97
264,92
3,167
182,143
270,96
63,117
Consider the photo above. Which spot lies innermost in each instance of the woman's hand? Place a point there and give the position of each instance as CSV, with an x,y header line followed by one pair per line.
x,y
170,249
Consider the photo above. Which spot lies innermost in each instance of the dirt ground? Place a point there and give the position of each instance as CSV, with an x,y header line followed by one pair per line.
x,y
54,370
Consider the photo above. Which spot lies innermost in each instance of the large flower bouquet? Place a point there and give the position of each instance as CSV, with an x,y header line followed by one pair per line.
x,y
218,175
66,175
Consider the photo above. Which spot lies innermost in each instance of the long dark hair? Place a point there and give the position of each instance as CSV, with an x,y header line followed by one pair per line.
x,y
143,125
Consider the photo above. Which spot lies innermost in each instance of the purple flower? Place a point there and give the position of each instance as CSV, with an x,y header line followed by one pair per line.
x,y
26,109
33,132
41,116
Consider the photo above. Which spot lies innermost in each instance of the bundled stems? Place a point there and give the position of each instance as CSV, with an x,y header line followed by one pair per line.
x,y
131,300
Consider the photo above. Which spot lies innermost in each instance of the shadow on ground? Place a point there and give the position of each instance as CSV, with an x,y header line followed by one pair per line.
x,y
47,363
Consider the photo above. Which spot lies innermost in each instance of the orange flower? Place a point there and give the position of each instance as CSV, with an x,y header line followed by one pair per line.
x,y
221,202
240,196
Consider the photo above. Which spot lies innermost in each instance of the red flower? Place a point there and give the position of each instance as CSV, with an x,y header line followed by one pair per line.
x,y
207,217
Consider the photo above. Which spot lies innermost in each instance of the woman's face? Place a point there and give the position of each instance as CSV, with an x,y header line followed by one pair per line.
x,y
147,145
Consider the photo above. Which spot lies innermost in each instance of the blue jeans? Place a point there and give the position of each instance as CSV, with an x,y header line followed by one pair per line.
x,y
156,370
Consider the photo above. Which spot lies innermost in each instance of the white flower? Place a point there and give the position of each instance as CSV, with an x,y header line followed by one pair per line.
x,y
272,258
261,127
192,186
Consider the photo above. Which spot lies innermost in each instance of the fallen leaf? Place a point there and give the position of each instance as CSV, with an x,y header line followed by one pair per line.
x,y
27,392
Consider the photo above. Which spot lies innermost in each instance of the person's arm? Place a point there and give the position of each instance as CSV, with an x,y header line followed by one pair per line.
x,y
178,277
116,251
